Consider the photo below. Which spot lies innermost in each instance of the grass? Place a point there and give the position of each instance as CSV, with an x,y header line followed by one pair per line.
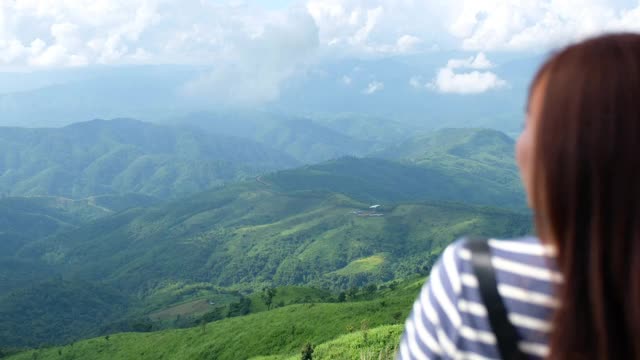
x,y
191,308
288,295
379,343
281,332
365,265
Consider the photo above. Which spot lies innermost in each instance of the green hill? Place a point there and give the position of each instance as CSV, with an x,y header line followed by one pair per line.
x,y
481,157
31,315
380,343
35,217
377,180
31,291
245,235
126,156
277,333
26,219
246,238
368,128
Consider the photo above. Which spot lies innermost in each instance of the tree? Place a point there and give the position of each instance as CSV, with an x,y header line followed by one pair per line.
x,y
370,289
342,297
352,292
242,307
267,296
307,352
364,326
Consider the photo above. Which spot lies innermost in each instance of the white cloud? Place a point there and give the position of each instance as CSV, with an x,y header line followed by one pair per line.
x,y
537,25
347,80
480,61
375,27
407,43
253,50
373,87
472,82
75,32
52,33
253,68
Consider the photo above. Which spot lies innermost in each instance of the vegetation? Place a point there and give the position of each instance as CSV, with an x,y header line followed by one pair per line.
x,y
380,343
126,156
57,311
473,166
476,158
24,220
247,241
257,237
297,256
275,334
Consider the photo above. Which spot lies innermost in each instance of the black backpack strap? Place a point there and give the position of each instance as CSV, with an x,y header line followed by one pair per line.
x,y
506,335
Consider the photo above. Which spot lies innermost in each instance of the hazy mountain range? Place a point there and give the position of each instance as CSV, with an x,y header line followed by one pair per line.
x,y
158,93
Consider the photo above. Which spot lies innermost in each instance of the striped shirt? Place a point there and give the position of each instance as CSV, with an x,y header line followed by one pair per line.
x,y
449,320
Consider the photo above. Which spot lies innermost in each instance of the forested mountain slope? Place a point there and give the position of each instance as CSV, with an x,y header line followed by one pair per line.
x,y
380,180
126,156
475,157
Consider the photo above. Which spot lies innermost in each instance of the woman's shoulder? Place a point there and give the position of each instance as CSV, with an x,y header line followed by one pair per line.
x,y
513,253
526,277
450,318
524,262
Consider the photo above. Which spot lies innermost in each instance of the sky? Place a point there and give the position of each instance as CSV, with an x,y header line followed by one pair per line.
x,y
274,40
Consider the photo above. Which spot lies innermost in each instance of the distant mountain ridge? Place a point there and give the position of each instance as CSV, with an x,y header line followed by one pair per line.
x,y
304,139
126,156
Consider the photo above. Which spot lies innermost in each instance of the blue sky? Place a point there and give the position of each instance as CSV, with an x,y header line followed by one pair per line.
x,y
274,4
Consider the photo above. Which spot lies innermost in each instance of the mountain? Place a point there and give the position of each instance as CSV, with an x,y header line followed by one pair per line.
x,y
475,157
305,140
125,156
383,131
24,220
377,180
310,226
252,234
31,315
485,146
64,96
157,93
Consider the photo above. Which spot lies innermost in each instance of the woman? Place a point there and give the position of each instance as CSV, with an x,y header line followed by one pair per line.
x,y
574,294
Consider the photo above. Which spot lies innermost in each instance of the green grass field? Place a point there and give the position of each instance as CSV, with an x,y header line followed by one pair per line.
x,y
278,334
